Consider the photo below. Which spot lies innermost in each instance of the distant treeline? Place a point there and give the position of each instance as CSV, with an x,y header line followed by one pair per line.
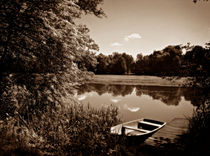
x,y
170,62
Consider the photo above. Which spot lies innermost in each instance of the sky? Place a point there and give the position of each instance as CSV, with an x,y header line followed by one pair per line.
x,y
142,26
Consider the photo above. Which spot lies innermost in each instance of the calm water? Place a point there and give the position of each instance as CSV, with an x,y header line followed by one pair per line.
x,y
160,103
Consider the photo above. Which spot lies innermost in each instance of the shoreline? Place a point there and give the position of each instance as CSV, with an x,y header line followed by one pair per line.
x,y
140,80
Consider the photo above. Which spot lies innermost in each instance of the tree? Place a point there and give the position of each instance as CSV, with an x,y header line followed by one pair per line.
x,y
138,69
164,62
118,64
102,66
87,61
139,57
129,62
38,45
197,61
172,59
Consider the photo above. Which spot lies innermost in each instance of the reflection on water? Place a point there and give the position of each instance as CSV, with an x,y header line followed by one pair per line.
x,y
161,103
80,98
132,109
115,100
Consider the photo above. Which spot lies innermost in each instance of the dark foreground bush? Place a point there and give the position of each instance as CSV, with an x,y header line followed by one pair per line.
x,y
197,140
69,130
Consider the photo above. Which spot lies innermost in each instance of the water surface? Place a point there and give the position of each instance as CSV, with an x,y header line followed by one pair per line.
x,y
160,103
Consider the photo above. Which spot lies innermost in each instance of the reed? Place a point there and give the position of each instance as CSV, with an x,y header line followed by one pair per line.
x,y
68,130
197,139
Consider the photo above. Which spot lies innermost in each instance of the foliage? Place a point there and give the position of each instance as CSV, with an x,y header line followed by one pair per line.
x,y
91,6
39,46
114,64
200,123
167,62
69,130
87,62
197,62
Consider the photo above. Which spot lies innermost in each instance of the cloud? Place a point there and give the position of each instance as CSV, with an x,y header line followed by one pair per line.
x,y
116,44
132,36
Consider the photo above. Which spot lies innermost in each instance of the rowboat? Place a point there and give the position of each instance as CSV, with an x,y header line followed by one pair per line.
x,y
137,130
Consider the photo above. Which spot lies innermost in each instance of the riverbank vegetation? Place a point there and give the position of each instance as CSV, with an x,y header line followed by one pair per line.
x,y
69,130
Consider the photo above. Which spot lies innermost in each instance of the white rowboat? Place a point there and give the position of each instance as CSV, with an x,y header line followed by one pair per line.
x,y
137,130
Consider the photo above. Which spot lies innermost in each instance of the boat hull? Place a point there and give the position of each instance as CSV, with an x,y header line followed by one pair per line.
x,y
137,131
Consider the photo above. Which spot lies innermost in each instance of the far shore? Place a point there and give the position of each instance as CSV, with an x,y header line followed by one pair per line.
x,y
140,80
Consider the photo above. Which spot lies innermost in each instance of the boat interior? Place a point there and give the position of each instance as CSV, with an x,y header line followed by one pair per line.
x,y
139,127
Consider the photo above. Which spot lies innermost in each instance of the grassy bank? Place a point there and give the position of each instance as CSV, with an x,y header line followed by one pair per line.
x,y
72,130
139,80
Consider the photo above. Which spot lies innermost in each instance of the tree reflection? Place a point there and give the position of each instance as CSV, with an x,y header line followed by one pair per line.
x,y
120,90
194,95
167,95
115,90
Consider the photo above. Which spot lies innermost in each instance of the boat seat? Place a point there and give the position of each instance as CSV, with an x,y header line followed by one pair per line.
x,y
149,123
135,129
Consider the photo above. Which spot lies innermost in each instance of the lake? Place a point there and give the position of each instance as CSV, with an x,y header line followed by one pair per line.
x,y
134,101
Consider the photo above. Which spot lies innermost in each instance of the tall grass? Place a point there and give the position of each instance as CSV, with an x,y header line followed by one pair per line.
x,y
69,130
197,139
